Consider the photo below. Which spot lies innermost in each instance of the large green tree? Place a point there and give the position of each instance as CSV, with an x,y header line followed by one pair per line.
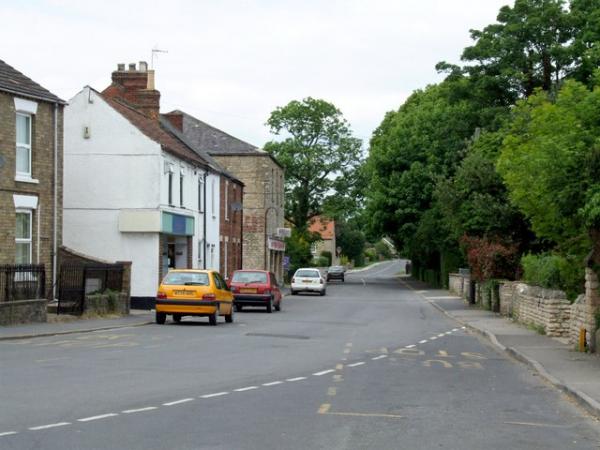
x,y
317,149
550,161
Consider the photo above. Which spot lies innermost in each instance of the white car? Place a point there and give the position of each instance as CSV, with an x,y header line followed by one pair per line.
x,y
308,279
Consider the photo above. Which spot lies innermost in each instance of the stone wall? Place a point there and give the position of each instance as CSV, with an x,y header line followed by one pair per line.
x,y
23,311
584,310
459,284
107,303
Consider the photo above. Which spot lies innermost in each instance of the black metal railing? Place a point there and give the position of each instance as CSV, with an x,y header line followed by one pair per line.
x,y
78,280
22,282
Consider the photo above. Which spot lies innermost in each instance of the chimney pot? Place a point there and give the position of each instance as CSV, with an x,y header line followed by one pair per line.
x,y
120,67
132,67
143,66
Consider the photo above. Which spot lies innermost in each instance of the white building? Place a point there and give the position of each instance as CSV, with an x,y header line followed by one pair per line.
x,y
134,191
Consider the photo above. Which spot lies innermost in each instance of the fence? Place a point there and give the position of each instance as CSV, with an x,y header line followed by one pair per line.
x,y
78,280
22,282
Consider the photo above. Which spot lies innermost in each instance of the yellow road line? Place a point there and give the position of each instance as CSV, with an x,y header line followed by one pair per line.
x,y
324,408
332,391
354,414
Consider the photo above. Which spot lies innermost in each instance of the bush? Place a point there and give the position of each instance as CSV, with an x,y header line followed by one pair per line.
x,y
554,272
321,261
383,250
370,253
488,259
327,254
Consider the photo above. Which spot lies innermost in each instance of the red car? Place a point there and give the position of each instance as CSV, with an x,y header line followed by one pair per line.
x,y
255,288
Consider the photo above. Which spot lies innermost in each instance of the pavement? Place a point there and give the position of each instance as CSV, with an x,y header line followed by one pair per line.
x,y
573,372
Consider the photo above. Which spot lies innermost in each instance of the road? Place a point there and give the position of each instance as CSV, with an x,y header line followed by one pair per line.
x,y
372,365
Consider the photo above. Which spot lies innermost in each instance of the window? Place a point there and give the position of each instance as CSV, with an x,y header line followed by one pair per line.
x,y
200,194
200,253
23,237
170,188
272,186
226,200
23,145
181,190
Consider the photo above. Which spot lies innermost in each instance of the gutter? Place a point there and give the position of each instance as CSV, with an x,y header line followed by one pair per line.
x,y
55,220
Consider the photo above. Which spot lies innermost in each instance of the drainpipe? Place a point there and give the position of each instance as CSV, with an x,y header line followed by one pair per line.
x,y
204,219
55,222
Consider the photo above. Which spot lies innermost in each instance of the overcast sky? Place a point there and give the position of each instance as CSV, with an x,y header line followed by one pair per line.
x,y
230,63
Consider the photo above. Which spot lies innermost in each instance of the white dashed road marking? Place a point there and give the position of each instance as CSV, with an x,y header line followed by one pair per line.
x,y
8,433
102,416
433,338
178,402
216,394
318,374
423,341
296,379
273,383
131,411
356,364
410,346
51,425
248,388
379,357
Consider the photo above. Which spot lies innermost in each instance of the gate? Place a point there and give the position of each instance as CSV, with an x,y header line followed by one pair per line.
x,y
22,282
78,280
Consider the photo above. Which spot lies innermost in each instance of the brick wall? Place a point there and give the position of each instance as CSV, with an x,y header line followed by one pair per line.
x,y
42,155
230,227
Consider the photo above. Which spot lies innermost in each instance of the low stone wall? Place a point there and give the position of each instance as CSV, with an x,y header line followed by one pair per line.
x,y
23,311
584,310
459,284
107,303
546,309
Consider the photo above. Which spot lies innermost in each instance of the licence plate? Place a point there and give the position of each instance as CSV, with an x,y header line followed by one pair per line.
x,y
183,292
247,291
307,281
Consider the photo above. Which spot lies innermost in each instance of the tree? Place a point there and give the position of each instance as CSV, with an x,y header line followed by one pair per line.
x,y
351,240
550,162
317,150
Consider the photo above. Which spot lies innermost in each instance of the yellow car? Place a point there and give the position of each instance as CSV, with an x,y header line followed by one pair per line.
x,y
190,292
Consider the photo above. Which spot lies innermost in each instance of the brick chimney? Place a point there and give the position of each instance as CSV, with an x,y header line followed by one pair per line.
x,y
136,86
176,119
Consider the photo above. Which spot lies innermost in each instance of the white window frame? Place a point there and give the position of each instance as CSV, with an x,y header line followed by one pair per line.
x,y
212,197
227,200
170,188
26,175
29,241
201,188
181,180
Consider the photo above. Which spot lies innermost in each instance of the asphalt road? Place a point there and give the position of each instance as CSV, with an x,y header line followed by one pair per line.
x,y
369,366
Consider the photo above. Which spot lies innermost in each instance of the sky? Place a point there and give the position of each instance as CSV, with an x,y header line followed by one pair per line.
x,y
230,63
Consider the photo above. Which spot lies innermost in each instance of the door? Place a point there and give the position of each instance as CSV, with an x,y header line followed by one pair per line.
x,y
224,295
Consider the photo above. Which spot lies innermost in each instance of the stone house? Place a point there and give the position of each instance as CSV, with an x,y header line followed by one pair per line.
x,y
326,229
31,169
263,198
135,189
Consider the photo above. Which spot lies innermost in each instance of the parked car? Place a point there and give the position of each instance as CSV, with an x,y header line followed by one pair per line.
x,y
255,288
190,292
310,280
336,273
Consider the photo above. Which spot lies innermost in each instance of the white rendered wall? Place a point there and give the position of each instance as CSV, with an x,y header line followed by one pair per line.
x,y
212,220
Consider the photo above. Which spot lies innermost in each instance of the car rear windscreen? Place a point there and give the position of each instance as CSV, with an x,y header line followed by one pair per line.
x,y
187,278
308,273
249,277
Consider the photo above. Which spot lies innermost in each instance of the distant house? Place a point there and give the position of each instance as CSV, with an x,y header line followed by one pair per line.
x,y
31,148
326,229
134,188
263,178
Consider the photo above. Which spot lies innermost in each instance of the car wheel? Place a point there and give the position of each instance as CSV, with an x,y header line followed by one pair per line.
x,y
322,293
212,319
270,305
294,292
229,317
278,306
343,281
238,307
177,318
161,317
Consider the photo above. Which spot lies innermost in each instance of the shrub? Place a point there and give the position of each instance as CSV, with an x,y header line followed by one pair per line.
x,y
383,250
327,254
321,261
488,259
554,272
370,253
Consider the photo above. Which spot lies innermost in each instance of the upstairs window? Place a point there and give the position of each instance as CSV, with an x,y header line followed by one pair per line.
x,y
23,238
171,188
181,190
226,200
200,195
23,145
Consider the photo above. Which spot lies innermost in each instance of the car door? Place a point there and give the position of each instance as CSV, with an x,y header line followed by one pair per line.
x,y
224,294
275,287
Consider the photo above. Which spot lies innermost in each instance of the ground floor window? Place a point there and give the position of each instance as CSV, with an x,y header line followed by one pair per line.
x,y
23,237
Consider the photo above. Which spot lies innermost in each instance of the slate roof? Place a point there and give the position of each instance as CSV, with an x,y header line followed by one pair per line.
x,y
14,82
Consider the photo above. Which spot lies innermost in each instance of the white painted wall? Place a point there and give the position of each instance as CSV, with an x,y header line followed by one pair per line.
x,y
212,221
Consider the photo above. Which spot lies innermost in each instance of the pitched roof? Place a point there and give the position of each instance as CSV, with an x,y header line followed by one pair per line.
x,y
154,130
211,139
325,227
14,82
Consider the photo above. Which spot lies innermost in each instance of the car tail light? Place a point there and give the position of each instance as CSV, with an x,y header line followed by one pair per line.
x,y
161,295
209,297
267,292
234,288
321,280
293,280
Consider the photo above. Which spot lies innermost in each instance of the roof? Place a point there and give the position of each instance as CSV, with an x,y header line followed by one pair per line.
x,y
325,227
212,140
14,82
154,130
